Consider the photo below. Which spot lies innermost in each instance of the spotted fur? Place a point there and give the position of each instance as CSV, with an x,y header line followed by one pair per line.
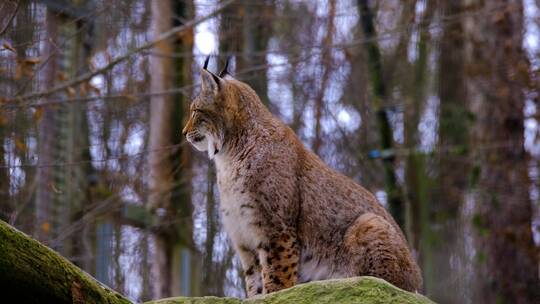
x,y
290,217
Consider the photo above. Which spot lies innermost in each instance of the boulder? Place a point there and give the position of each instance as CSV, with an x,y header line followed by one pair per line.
x,y
366,290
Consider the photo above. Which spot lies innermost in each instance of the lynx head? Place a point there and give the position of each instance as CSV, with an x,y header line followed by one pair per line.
x,y
207,115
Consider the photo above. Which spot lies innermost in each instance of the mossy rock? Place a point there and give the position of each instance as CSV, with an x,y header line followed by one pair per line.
x,y
30,272
366,290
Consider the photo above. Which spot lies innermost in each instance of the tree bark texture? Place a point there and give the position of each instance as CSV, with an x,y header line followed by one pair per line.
x,y
394,191
46,137
506,256
170,172
444,248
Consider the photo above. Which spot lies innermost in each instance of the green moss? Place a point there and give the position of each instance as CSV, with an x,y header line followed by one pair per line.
x,y
33,273
197,300
366,290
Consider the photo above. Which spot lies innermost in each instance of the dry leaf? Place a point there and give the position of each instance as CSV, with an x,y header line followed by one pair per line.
x,y
94,88
130,97
77,294
71,92
46,227
25,67
20,145
91,65
38,113
61,76
18,71
186,36
83,89
9,47
32,60
56,190
3,119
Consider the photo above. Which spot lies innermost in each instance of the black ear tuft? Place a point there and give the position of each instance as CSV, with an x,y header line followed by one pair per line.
x,y
217,80
205,66
225,70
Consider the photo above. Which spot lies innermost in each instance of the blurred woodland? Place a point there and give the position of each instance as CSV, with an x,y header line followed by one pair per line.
x,y
430,104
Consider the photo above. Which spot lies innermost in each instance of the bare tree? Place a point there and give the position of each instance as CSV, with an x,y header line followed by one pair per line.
x,y
506,257
451,184
47,136
379,95
169,168
245,30
326,69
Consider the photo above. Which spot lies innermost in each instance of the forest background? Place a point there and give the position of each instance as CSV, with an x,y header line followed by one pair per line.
x,y
430,104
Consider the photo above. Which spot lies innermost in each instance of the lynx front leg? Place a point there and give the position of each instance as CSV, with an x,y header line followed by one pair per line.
x,y
279,260
252,271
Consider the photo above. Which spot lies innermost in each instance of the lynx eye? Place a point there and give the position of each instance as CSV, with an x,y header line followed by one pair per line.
x,y
199,111
200,114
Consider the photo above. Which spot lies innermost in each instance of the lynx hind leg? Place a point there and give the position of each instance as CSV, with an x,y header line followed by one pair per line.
x,y
380,251
252,271
279,260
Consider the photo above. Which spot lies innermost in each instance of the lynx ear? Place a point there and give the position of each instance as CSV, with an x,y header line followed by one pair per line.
x,y
225,72
210,82
205,66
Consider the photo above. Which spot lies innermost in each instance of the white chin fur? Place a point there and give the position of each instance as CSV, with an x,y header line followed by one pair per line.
x,y
210,144
214,146
201,145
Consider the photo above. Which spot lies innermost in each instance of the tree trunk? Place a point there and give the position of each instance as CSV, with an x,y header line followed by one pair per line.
x,y
245,29
212,284
33,273
326,69
506,257
75,135
5,207
379,94
46,136
21,31
442,247
170,173
417,180
257,31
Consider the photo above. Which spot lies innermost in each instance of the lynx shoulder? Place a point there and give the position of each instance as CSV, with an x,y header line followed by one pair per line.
x,y
290,217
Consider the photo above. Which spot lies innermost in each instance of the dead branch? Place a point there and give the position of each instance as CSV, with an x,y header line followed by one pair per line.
x,y
11,18
89,75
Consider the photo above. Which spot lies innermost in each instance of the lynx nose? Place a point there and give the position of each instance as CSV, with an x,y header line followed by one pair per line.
x,y
184,132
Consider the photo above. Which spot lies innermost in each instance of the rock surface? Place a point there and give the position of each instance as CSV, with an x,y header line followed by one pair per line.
x,y
30,272
365,290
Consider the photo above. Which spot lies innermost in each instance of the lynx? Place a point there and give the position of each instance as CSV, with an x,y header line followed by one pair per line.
x,y
290,217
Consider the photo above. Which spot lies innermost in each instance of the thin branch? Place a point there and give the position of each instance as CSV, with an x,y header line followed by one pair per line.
x,y
11,18
441,151
43,63
171,148
89,75
177,90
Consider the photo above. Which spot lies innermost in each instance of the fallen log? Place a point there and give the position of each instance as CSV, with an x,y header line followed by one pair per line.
x,y
30,272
